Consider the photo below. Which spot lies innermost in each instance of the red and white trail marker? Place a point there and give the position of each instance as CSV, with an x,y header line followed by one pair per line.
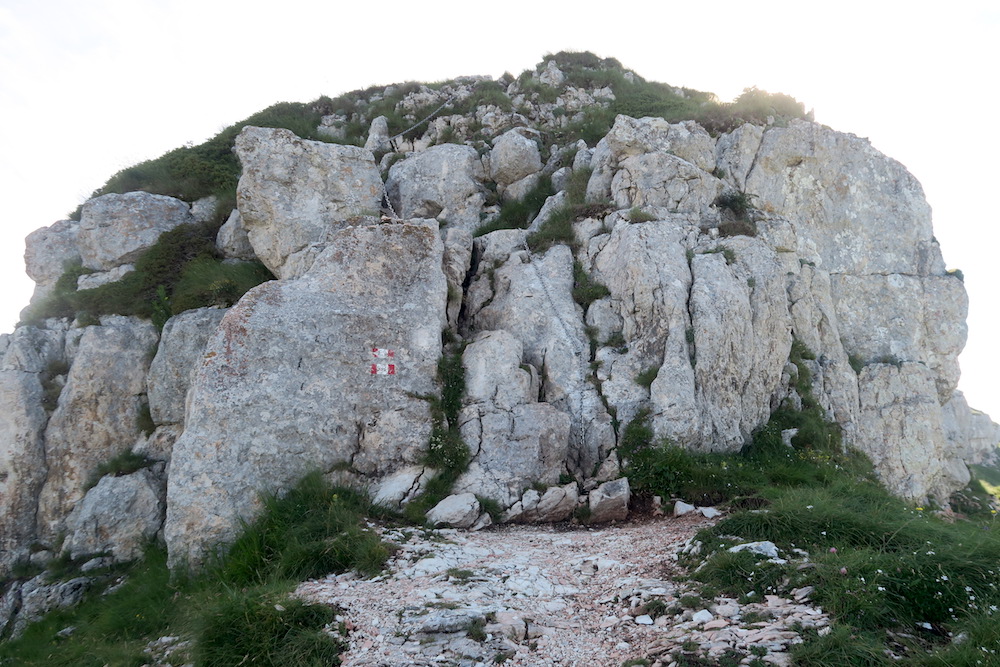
x,y
382,353
383,369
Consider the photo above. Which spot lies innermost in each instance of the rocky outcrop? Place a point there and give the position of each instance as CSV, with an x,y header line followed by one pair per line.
x,y
530,296
182,344
294,193
443,182
514,441
22,462
666,302
47,252
97,416
119,516
325,371
116,229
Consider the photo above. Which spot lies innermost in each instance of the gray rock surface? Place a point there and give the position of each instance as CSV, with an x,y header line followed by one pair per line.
x,y
294,193
121,515
232,240
39,597
530,296
443,182
97,415
458,511
514,156
182,344
973,437
22,462
662,179
378,136
609,501
116,229
286,382
864,211
48,250
899,408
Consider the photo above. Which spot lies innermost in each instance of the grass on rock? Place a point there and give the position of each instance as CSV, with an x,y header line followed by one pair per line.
x,y
238,610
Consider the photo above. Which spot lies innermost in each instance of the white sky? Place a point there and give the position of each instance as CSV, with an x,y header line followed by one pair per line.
x,y
87,88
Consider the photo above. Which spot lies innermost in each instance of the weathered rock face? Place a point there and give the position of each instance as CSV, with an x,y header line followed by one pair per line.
x,y
22,462
972,436
299,376
899,407
120,515
514,441
49,249
294,193
443,182
181,345
233,240
323,369
116,229
98,413
530,296
864,211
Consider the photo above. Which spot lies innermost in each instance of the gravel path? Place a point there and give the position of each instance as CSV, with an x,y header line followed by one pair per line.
x,y
540,595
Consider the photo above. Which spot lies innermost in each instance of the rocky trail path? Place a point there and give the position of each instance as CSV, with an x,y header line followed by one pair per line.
x,y
549,595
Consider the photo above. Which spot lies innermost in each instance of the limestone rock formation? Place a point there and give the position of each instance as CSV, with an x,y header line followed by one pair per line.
x,y
703,276
98,413
325,371
120,516
182,344
115,229
294,193
443,182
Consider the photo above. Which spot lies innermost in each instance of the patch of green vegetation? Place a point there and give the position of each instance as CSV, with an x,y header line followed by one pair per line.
x,y
182,270
124,463
446,453
238,611
646,377
310,531
728,253
637,215
518,213
586,290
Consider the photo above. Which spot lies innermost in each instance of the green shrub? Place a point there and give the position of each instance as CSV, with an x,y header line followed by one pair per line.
x,y
124,463
264,626
310,531
646,377
636,215
518,213
585,289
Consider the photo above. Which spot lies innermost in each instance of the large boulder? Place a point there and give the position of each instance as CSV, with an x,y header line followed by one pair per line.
x,y
632,137
98,413
514,156
48,250
443,182
181,345
120,516
326,371
662,179
116,229
972,435
294,193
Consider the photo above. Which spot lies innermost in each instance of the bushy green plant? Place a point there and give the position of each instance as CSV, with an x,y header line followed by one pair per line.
x,y
125,463
310,531
586,290
518,213
645,378
264,626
